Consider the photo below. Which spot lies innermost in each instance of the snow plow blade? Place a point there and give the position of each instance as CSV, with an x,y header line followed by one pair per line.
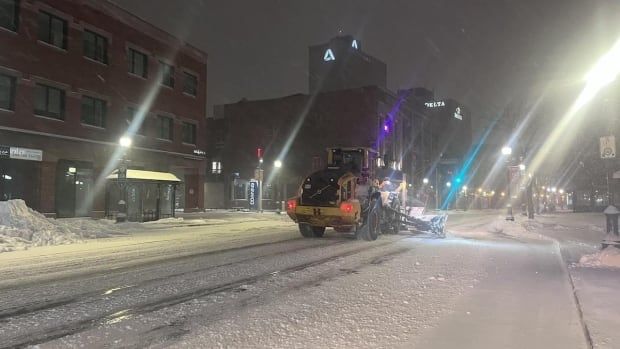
x,y
435,225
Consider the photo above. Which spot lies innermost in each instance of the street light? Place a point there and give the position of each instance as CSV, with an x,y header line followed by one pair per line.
x,y
277,164
425,181
448,184
125,142
506,150
522,167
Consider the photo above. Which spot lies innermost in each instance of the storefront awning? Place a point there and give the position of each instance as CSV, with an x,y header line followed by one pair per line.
x,y
147,176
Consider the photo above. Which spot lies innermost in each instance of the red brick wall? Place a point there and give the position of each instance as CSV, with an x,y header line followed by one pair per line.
x,y
31,61
47,187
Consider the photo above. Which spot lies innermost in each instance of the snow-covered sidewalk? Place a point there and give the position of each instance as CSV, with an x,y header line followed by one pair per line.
x,y
595,273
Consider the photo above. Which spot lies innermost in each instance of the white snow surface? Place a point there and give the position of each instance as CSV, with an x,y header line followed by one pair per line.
x,y
609,257
22,227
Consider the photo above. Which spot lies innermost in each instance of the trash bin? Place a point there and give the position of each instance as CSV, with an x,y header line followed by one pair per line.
x,y
611,214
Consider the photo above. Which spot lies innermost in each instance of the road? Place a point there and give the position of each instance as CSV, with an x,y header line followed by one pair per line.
x,y
254,282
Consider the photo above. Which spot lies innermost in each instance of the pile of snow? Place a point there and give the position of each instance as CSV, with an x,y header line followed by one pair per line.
x,y
609,257
166,221
21,227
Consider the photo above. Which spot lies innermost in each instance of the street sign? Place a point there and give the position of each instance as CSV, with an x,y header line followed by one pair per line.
x,y
253,195
122,171
259,174
608,147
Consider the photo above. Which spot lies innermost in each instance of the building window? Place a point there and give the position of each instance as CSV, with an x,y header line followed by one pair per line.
x,y
165,127
9,14
190,83
53,30
216,167
133,116
95,47
7,92
49,101
167,74
137,63
93,111
189,133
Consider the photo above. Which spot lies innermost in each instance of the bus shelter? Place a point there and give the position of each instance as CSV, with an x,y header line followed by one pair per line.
x,y
149,195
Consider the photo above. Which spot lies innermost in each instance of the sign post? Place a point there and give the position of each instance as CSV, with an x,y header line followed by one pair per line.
x,y
608,151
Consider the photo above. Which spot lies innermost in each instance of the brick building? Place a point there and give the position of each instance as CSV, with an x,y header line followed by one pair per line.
x,y
77,75
297,129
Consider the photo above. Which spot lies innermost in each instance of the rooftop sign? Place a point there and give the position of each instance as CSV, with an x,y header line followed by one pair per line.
x,y
435,104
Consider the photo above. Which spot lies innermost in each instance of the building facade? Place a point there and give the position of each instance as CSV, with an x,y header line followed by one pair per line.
x,y
341,64
77,76
298,129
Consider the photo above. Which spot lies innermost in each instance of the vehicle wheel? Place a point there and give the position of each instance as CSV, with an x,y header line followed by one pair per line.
x,y
395,224
371,229
309,231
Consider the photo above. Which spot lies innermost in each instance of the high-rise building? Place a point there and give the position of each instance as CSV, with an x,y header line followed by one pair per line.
x,y
341,64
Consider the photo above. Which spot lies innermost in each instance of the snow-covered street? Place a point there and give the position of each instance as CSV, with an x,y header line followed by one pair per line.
x,y
250,280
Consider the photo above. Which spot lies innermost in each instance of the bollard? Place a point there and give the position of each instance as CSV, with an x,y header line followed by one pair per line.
x,y
121,216
611,214
612,223
509,215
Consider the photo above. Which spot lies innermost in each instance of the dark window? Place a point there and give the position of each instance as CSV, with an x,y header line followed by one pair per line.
x,y
9,14
7,92
190,83
167,74
93,111
165,127
52,30
140,126
137,63
189,133
49,101
95,46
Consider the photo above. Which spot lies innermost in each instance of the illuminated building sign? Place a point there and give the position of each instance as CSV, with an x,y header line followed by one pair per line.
x,y
457,113
435,104
20,153
329,55
200,152
354,44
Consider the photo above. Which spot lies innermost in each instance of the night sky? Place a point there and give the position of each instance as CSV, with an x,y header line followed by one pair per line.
x,y
483,53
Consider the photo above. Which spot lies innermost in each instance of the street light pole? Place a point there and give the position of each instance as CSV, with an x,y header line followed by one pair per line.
x,y
125,143
277,166
507,151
